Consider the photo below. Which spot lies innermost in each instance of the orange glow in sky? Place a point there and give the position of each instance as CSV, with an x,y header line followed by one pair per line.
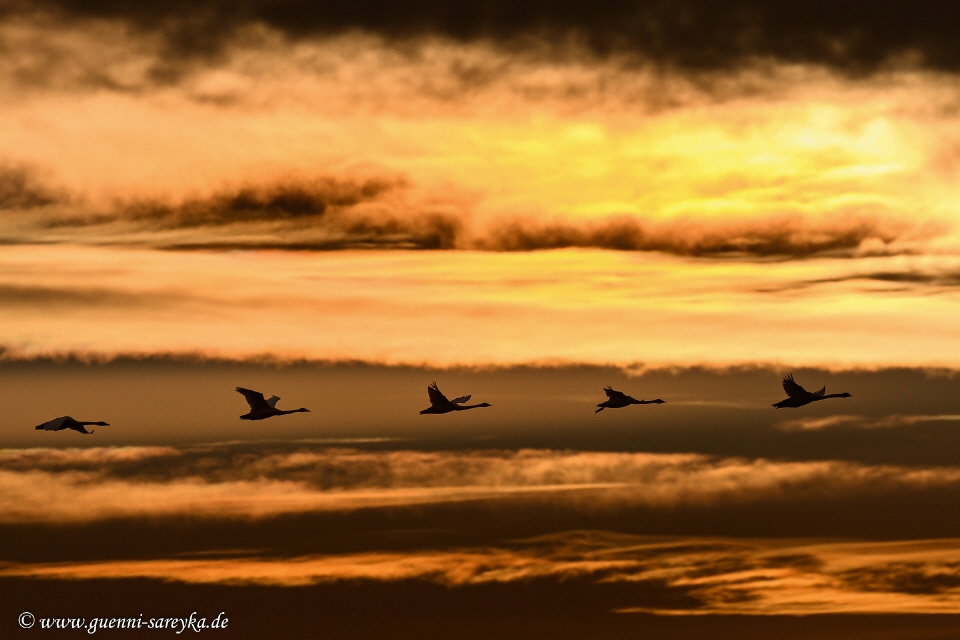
x,y
478,308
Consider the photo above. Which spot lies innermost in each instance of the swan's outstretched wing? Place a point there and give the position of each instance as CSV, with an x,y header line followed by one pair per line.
x,y
272,401
254,399
822,391
53,425
460,400
618,395
792,388
436,398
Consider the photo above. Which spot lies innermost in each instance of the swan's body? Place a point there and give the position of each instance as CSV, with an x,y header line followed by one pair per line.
x,y
260,408
66,422
618,400
798,396
440,404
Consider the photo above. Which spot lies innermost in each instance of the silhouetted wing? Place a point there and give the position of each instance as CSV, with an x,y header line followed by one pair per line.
x,y
460,400
619,395
272,401
792,388
821,392
436,398
254,399
53,425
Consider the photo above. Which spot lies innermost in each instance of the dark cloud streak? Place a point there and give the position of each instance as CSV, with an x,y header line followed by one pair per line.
x,y
14,296
853,37
20,188
326,214
913,578
765,238
331,214
900,281
250,204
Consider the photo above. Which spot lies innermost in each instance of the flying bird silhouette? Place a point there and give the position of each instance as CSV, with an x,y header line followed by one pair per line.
x,y
66,422
261,409
618,400
440,404
798,396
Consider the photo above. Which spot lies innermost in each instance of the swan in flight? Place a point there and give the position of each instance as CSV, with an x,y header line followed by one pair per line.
x,y
618,399
260,409
66,422
440,404
800,396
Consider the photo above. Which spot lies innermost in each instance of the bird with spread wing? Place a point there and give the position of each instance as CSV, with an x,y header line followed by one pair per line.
x,y
261,408
618,399
798,396
440,404
66,422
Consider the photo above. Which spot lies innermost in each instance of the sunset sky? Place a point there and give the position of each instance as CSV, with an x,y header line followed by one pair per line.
x,y
339,203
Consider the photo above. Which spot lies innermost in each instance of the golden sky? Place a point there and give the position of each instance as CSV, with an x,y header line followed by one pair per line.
x,y
477,308
342,202
774,212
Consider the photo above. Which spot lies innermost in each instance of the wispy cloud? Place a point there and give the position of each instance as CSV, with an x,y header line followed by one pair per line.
x,y
415,307
715,575
59,298
863,422
53,486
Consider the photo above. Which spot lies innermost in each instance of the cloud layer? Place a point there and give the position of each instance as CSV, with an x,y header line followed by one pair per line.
x,y
344,140
690,576
296,514
695,34
88,485
333,214
415,307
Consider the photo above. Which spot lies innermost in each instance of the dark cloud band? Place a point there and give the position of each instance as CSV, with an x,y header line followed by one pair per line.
x,y
855,37
21,188
331,214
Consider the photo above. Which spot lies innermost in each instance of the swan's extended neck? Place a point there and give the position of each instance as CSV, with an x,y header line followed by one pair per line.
x,y
288,411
